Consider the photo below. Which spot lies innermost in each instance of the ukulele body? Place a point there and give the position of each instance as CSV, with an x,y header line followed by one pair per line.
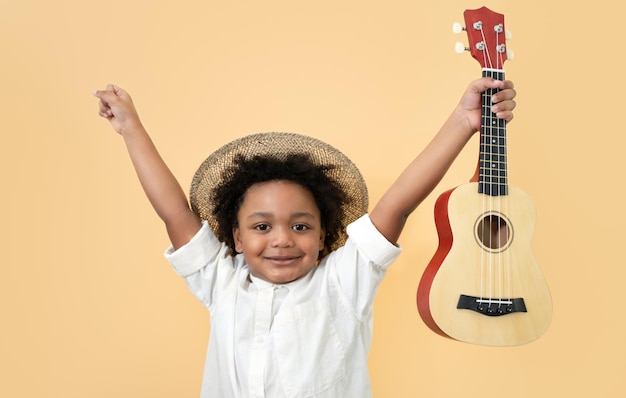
x,y
484,258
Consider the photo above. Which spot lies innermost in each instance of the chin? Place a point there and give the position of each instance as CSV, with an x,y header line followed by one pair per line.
x,y
282,279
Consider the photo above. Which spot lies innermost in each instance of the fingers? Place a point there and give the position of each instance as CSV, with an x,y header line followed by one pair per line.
x,y
504,109
506,115
104,109
504,100
108,97
484,83
507,92
117,90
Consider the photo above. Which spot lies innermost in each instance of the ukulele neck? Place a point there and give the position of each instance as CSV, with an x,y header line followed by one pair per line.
x,y
492,163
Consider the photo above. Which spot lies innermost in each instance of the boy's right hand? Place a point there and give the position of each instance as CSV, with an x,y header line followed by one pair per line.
x,y
117,107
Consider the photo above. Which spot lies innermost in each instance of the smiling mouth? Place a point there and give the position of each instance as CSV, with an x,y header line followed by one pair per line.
x,y
283,261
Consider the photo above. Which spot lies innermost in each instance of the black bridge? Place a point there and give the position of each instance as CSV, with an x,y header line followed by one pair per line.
x,y
491,306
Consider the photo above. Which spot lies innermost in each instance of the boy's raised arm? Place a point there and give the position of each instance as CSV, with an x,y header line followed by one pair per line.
x,y
428,168
158,182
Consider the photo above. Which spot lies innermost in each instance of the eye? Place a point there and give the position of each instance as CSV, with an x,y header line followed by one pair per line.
x,y
262,227
300,227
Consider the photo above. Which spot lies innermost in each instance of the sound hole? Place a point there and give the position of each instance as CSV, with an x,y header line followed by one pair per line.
x,y
493,232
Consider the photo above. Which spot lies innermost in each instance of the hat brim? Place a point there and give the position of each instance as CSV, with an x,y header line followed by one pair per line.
x,y
279,145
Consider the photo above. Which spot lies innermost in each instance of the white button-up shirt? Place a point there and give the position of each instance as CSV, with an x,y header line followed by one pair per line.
x,y
307,338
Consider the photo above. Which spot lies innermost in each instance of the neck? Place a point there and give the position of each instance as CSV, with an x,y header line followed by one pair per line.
x,y
492,169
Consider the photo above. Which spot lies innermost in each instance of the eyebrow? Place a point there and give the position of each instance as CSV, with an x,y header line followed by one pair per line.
x,y
263,214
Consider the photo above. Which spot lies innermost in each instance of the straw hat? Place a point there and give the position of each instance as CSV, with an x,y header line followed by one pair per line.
x,y
279,145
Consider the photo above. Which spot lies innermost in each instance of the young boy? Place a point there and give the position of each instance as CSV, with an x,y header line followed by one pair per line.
x,y
278,245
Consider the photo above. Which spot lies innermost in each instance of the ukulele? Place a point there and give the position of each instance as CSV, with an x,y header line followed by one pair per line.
x,y
482,285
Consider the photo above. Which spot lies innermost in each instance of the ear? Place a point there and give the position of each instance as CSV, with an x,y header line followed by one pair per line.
x,y
322,238
237,239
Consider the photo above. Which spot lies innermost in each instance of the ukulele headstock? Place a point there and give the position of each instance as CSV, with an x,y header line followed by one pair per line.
x,y
487,37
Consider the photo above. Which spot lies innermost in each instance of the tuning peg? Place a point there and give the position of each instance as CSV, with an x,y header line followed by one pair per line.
x,y
460,47
508,34
457,28
510,55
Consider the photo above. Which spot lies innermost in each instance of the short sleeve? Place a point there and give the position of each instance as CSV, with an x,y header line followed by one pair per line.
x,y
196,254
371,243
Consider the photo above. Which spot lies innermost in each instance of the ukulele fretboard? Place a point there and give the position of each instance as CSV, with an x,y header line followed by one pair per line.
x,y
492,173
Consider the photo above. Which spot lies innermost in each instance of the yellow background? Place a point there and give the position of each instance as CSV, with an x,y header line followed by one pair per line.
x,y
90,308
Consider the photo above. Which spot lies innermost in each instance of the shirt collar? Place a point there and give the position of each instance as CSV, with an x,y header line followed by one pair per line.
x,y
261,284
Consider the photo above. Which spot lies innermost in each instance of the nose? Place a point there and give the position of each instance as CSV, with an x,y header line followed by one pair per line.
x,y
282,237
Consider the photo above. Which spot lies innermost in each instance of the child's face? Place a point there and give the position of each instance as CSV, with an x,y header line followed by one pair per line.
x,y
279,231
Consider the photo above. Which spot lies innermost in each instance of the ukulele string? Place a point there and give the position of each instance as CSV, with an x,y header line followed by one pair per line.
x,y
485,146
504,175
504,274
492,218
483,180
488,264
